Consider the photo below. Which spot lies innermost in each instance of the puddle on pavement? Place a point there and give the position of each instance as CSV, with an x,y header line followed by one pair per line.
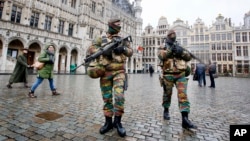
x,y
49,115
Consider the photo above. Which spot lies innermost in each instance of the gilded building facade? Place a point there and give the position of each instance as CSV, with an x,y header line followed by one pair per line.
x,y
71,25
222,42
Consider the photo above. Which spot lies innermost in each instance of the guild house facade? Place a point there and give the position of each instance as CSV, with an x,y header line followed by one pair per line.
x,y
222,42
71,25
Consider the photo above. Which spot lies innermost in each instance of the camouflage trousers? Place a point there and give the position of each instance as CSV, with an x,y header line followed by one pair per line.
x,y
112,85
180,81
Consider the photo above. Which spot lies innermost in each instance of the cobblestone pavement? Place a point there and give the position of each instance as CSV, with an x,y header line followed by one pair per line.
x,y
212,110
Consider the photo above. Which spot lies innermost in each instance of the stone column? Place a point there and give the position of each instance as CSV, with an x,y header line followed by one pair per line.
x,y
66,28
68,61
126,66
54,24
7,10
79,62
41,18
56,60
132,65
75,30
4,56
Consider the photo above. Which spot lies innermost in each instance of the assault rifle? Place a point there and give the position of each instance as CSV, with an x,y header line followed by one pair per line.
x,y
105,48
191,54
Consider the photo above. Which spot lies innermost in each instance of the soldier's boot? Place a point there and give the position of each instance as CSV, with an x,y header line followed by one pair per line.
x,y
9,85
118,125
107,126
166,114
54,93
186,123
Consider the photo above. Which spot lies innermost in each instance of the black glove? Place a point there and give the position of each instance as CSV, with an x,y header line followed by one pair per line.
x,y
119,50
107,53
177,51
51,59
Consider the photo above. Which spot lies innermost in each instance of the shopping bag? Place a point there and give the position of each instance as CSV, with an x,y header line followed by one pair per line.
x,y
215,75
38,65
195,77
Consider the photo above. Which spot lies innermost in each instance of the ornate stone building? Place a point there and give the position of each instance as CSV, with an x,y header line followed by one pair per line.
x,y
199,42
221,46
149,49
71,25
241,44
153,39
222,42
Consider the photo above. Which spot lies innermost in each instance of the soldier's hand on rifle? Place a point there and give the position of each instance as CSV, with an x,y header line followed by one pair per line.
x,y
107,53
119,50
116,40
177,51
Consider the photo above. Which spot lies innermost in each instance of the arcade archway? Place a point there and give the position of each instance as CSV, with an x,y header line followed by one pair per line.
x,y
73,59
14,48
62,60
34,52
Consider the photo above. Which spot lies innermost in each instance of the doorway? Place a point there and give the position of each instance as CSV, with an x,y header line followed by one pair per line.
x,y
30,58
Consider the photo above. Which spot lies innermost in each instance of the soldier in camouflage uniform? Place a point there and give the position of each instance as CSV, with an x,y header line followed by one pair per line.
x,y
110,67
175,69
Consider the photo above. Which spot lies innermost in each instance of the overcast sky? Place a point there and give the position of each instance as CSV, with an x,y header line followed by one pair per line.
x,y
190,10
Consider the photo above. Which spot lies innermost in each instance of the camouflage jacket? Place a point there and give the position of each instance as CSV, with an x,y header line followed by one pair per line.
x,y
173,64
112,61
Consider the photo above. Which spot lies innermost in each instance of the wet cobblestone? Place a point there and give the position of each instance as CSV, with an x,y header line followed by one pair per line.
x,y
80,103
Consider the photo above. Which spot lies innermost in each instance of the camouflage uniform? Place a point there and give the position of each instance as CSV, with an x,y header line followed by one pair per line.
x,y
113,79
175,69
174,73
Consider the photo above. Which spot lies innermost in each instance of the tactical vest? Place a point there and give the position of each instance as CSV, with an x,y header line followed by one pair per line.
x,y
173,64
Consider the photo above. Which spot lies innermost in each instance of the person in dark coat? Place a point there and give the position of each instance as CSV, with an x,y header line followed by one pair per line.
x,y
47,57
201,72
151,70
212,71
20,72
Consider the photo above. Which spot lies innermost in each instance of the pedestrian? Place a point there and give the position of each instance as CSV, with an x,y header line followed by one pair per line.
x,y
112,80
174,64
20,72
48,58
201,73
151,70
212,71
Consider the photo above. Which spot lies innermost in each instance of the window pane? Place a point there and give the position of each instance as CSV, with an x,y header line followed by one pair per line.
x,y
1,8
237,37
